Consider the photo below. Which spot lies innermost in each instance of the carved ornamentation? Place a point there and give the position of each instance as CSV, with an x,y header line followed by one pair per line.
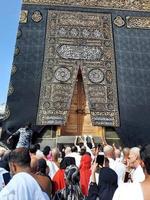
x,y
109,76
138,22
73,41
24,16
96,76
62,74
37,16
115,4
118,21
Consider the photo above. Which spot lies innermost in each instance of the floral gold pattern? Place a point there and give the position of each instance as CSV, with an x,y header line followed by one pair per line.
x,y
118,21
138,22
24,16
37,16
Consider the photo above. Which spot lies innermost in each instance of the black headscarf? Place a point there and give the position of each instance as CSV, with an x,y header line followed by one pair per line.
x,y
67,161
107,183
72,190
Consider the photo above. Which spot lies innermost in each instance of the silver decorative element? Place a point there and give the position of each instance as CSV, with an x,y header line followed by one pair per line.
x,y
74,32
85,33
108,64
79,52
110,106
62,31
119,21
62,74
110,93
46,105
78,32
97,34
107,43
96,76
37,16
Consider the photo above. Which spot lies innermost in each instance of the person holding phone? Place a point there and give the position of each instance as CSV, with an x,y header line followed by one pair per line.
x,y
107,181
137,190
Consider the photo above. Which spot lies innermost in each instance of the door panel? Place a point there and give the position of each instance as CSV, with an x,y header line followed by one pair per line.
x,y
79,119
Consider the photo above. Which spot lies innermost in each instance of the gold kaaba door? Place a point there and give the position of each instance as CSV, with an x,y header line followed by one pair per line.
x,y
79,118
78,87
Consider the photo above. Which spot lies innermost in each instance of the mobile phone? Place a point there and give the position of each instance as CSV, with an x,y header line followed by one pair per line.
x,y
100,159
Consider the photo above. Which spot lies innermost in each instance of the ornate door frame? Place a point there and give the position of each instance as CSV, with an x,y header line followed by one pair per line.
x,y
76,39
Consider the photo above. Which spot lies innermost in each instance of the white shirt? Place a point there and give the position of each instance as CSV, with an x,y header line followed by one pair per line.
x,y
39,154
120,170
23,187
76,156
129,191
53,168
111,163
138,175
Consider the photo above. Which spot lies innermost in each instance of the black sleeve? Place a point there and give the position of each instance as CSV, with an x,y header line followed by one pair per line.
x,y
93,192
6,178
16,133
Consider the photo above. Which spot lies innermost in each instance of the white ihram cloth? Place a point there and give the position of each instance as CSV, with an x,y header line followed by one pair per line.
x,y
23,187
120,169
129,191
53,168
138,175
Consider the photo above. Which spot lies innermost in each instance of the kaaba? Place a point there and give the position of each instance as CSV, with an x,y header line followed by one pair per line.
x,y
81,67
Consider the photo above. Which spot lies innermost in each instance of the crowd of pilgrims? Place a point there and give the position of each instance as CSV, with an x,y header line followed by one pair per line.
x,y
84,170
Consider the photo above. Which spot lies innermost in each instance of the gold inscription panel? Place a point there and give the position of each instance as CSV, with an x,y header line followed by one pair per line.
x,y
73,41
138,22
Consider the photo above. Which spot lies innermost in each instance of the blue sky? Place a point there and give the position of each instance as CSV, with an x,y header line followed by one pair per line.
x,y
9,19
